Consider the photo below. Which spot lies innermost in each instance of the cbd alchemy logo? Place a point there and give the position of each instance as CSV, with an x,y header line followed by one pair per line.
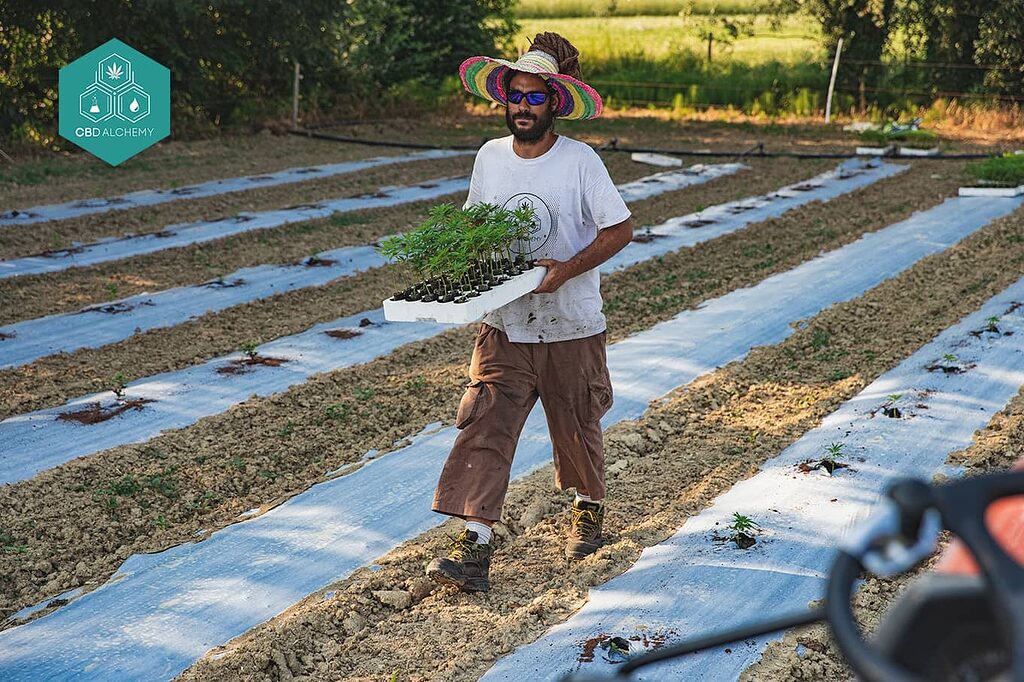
x,y
115,102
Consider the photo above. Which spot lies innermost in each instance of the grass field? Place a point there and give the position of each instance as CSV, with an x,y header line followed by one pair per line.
x,y
622,8
662,61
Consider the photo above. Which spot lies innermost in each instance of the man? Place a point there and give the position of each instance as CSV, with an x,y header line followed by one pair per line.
x,y
549,344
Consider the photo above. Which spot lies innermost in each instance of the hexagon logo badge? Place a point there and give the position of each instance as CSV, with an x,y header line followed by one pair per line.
x,y
115,102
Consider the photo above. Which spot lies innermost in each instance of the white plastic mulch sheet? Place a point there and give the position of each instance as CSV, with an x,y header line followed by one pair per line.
x,y
161,612
107,323
99,325
151,197
204,231
32,442
691,584
668,181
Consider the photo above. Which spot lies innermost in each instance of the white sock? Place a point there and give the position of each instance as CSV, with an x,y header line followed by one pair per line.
x,y
483,531
586,498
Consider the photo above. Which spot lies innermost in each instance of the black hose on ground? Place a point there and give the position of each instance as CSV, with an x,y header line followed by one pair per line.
x,y
612,145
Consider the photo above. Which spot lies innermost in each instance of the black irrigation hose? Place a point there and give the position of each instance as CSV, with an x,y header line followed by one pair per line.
x,y
612,145
717,639
379,143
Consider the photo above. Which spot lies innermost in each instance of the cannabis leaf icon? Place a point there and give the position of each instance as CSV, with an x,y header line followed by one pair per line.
x,y
114,72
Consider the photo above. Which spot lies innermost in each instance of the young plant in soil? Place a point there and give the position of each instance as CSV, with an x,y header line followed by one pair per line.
x,y
889,409
459,253
948,364
119,386
830,462
991,327
252,357
741,530
94,413
314,260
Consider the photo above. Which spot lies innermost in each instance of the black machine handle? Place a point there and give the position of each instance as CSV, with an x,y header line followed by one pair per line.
x,y
897,540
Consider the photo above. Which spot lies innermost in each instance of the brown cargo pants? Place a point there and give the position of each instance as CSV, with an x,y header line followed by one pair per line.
x,y
506,378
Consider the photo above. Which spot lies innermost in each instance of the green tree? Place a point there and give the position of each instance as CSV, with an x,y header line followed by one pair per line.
x,y
1001,43
232,60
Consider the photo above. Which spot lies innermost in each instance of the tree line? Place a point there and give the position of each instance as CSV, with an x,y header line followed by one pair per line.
x,y
958,46
229,59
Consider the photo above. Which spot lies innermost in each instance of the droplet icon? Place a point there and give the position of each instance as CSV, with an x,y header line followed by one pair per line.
x,y
134,106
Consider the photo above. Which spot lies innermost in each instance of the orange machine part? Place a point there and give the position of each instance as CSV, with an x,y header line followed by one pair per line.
x,y
1005,520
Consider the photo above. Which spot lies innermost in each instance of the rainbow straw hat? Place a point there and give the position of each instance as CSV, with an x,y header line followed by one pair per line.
x,y
485,77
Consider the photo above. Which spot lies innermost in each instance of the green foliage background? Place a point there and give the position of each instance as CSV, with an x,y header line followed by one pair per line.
x,y
231,60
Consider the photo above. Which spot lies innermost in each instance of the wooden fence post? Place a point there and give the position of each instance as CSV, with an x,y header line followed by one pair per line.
x,y
295,97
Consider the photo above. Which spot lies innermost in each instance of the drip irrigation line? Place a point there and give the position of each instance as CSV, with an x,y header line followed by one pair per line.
x,y
758,150
722,638
381,143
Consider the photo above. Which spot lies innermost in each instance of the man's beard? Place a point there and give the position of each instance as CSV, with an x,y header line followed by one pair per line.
x,y
543,124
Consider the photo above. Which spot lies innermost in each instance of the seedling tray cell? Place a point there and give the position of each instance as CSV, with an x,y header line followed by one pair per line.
x,y
470,311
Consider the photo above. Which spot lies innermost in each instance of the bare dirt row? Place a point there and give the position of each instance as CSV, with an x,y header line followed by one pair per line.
x,y
392,624
26,240
138,498
52,380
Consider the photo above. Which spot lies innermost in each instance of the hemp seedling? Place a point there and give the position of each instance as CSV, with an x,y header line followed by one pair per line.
x,y
949,357
742,530
889,409
249,348
834,450
993,324
119,386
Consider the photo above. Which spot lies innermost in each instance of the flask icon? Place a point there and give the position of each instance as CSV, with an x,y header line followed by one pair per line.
x,y
95,108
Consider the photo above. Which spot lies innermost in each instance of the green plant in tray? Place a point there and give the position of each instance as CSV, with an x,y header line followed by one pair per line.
x,y
459,253
999,171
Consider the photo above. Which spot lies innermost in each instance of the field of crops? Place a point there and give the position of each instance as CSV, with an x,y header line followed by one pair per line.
x,y
217,457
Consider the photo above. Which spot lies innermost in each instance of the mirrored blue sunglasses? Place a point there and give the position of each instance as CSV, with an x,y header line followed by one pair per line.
x,y
533,98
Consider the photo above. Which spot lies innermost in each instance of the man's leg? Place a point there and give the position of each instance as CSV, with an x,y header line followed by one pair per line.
x,y
475,477
575,387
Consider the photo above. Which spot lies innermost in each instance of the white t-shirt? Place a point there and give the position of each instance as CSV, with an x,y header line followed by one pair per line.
x,y
574,197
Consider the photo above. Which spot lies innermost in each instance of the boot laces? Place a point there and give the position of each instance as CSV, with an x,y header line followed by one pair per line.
x,y
461,546
585,521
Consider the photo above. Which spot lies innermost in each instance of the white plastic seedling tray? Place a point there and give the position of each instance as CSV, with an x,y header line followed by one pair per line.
x,y
471,310
874,151
917,151
656,159
991,191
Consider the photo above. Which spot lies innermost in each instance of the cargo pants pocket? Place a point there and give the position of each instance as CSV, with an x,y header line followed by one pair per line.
x,y
470,405
601,397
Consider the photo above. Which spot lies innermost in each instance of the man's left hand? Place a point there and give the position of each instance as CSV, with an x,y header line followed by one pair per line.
x,y
557,275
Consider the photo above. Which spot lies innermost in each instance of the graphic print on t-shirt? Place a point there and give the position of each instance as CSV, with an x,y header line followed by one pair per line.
x,y
545,225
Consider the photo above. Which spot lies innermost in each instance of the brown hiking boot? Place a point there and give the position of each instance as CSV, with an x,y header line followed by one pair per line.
x,y
585,535
466,566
